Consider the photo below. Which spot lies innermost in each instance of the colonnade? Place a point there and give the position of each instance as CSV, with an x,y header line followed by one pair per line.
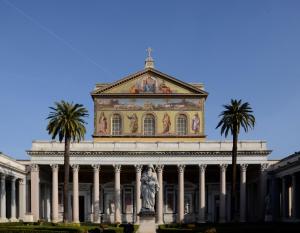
x,y
14,216
159,200
285,201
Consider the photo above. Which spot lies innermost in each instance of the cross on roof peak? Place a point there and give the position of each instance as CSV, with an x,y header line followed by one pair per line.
x,y
149,50
149,63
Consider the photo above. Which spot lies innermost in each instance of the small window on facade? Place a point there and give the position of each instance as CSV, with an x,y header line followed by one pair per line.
x,y
149,125
116,125
181,124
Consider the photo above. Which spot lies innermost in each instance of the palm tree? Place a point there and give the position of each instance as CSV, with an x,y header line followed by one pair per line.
x,y
66,122
235,116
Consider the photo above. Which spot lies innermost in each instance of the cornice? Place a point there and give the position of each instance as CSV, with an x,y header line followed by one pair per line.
x,y
13,168
148,153
287,166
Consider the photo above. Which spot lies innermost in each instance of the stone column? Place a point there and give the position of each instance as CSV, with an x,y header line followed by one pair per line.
x,y
35,192
202,168
263,189
13,200
75,168
117,193
283,199
3,199
243,168
180,215
138,171
160,213
223,168
22,198
294,196
55,168
96,199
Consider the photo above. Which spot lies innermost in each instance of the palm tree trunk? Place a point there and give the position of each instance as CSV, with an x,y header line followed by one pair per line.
x,y
66,177
233,181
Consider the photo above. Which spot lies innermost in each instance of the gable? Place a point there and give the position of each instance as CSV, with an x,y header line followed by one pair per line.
x,y
149,82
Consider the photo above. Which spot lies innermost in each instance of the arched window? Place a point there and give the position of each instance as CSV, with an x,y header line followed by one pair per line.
x,y
149,125
181,124
116,124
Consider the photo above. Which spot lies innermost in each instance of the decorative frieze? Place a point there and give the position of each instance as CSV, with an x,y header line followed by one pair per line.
x,y
149,153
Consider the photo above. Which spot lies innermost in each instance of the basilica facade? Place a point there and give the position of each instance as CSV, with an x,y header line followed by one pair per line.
x,y
147,118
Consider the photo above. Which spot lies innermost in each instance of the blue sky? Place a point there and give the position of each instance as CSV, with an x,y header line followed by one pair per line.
x,y
54,50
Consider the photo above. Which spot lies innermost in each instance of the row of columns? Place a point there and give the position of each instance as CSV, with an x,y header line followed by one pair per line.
x,y
159,201
13,204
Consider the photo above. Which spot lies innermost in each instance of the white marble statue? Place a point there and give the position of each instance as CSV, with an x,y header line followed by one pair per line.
x,y
149,187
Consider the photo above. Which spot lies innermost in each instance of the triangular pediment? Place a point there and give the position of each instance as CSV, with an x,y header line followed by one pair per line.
x,y
149,82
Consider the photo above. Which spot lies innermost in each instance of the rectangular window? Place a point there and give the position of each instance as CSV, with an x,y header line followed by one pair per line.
x,y
116,125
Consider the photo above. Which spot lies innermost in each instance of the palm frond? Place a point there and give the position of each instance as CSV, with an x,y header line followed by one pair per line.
x,y
67,119
236,115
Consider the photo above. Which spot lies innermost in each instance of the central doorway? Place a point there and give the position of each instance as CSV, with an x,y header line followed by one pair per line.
x,y
81,209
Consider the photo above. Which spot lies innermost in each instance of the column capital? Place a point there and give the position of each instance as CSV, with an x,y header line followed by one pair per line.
x,y
54,167
202,167
223,167
34,167
159,168
181,168
96,167
117,168
243,167
138,168
264,167
75,167
22,181
3,176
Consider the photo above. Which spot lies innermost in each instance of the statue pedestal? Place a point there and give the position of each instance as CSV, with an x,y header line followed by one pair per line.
x,y
147,222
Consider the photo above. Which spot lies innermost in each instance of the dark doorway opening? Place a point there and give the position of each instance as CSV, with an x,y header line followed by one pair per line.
x,y
81,209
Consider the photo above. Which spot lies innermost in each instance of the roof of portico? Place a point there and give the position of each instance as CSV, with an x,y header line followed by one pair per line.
x,y
11,167
208,148
287,165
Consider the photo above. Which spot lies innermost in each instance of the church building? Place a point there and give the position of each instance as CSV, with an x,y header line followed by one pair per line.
x,y
146,118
